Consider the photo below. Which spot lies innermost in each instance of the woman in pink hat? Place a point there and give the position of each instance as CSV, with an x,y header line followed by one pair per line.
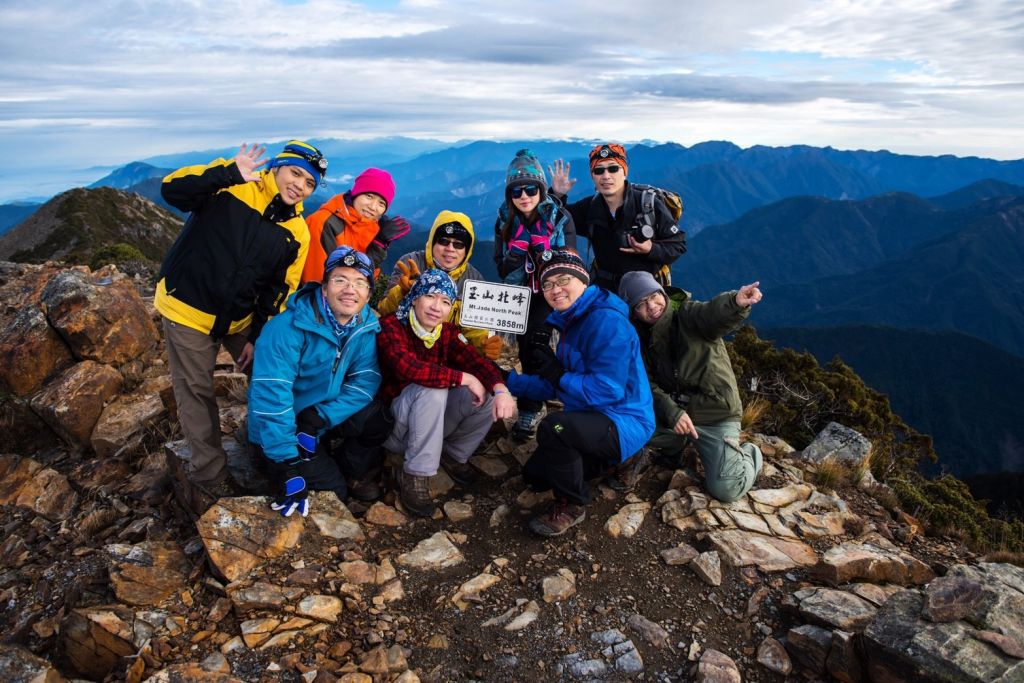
x,y
355,219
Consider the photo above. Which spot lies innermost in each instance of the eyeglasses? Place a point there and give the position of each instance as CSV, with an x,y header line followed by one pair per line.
x,y
344,283
530,190
560,281
648,300
450,242
600,170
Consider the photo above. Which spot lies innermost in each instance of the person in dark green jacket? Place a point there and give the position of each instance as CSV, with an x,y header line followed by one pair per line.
x,y
695,394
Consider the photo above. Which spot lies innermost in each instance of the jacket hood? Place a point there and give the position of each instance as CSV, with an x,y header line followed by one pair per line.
x,y
450,217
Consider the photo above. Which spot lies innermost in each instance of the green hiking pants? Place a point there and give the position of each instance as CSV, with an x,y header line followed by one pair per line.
x,y
730,468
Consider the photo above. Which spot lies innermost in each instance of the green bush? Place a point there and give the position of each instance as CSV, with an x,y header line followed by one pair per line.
x,y
803,397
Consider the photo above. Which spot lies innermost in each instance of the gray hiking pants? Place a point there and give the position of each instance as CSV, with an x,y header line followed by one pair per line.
x,y
429,421
730,468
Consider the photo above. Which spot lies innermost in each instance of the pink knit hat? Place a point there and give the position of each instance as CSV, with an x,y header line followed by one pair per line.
x,y
376,181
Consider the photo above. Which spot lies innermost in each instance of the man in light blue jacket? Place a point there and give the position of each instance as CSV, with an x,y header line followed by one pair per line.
x,y
598,374
314,380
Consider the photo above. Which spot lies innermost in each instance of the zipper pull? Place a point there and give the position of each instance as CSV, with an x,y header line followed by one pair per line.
x,y
337,360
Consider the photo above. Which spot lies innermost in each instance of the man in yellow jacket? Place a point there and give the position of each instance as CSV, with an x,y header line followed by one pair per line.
x,y
235,262
449,246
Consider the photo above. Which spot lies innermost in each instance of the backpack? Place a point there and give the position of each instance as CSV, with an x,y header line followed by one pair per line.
x,y
672,201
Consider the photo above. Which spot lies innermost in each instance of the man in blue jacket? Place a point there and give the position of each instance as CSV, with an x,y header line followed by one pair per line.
x,y
314,379
598,374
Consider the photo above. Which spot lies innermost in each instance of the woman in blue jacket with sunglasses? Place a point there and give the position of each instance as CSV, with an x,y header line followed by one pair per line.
x,y
530,222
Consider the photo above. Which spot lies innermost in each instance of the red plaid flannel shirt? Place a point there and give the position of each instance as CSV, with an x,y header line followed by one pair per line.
x,y
405,359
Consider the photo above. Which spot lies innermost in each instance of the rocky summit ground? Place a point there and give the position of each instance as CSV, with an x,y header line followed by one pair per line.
x,y
107,572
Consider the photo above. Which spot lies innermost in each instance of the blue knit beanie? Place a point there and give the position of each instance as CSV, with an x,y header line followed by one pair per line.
x,y
431,281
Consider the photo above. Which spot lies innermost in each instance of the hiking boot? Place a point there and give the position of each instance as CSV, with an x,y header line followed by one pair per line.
x,y
525,427
560,517
415,494
624,477
462,473
226,488
368,488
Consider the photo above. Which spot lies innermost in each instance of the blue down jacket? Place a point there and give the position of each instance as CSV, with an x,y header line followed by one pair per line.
x,y
604,372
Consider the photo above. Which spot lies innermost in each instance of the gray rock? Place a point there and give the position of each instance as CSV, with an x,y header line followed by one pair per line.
x,y
708,566
835,608
772,656
900,641
610,637
436,552
949,598
18,664
717,667
630,661
582,668
844,662
809,645
681,554
651,632
836,442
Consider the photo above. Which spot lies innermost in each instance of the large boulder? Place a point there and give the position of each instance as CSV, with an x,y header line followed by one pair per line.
x,y
30,352
148,573
101,318
26,483
877,561
124,422
240,534
72,403
18,664
838,443
903,644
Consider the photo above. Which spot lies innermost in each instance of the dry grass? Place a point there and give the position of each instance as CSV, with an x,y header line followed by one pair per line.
x,y
753,413
832,473
1006,557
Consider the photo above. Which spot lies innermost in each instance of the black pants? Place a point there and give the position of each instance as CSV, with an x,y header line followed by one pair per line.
x,y
537,336
347,452
571,448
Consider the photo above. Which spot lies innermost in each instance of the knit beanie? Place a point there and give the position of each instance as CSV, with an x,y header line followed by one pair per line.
x,y
430,281
376,181
455,225
609,152
563,261
526,169
636,286
349,258
303,155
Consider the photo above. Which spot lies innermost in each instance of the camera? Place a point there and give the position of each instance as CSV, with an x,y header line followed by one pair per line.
x,y
639,233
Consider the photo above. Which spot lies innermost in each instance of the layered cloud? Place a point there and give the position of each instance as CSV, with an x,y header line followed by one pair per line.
x,y
103,83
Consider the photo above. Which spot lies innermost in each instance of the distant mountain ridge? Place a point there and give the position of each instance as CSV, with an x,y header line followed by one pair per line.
x,y
962,391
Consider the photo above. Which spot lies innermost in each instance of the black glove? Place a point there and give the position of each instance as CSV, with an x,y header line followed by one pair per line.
x,y
392,228
547,365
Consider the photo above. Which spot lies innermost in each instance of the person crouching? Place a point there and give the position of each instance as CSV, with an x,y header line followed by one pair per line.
x,y
443,394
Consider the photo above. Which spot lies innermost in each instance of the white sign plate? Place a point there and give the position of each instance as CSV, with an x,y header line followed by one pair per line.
x,y
495,306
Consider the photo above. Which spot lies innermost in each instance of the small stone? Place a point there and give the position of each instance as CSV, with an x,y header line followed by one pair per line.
x,y
384,515
436,552
708,566
773,656
216,663
256,631
322,607
498,516
471,589
949,598
438,641
835,608
651,632
681,554
560,586
260,595
626,522
717,667
457,512
1009,646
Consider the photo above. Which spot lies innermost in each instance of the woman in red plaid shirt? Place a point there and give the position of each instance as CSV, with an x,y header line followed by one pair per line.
x,y
444,395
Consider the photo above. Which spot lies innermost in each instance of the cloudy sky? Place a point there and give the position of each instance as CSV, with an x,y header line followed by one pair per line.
x,y
100,83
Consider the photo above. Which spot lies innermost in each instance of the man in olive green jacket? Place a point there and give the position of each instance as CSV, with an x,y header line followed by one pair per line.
x,y
695,393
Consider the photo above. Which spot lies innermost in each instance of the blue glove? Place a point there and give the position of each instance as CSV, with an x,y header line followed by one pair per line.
x,y
293,494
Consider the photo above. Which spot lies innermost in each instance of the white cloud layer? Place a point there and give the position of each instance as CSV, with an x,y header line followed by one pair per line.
x,y
103,83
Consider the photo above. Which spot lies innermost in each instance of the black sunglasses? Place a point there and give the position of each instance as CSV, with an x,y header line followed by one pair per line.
x,y
530,190
450,242
613,168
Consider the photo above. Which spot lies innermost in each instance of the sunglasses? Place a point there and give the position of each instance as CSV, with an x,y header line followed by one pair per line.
x,y
451,242
600,170
530,190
